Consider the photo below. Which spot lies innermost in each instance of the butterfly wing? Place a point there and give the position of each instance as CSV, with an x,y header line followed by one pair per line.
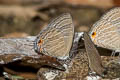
x,y
58,36
107,30
94,58
113,17
112,14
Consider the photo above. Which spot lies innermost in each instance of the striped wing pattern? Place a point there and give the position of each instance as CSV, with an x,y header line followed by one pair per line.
x,y
58,36
108,30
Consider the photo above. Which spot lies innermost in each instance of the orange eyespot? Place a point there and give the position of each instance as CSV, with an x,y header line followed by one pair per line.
x,y
40,49
40,42
93,34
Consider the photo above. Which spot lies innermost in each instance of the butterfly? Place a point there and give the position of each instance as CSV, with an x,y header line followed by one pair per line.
x,y
56,39
106,31
94,58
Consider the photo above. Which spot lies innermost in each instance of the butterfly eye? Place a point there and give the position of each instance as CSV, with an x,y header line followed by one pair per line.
x,y
40,42
93,34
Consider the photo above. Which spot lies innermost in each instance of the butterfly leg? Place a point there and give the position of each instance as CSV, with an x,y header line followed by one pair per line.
x,y
113,53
